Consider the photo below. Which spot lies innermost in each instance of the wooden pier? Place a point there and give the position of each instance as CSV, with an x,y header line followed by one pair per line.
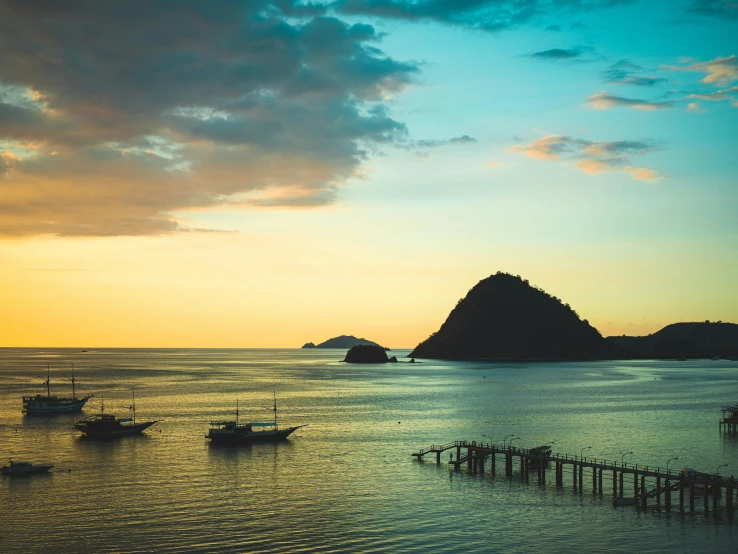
x,y
649,483
729,423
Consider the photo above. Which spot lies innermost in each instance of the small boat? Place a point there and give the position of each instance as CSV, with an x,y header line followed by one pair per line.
x,y
232,432
108,426
43,405
703,488
24,468
539,456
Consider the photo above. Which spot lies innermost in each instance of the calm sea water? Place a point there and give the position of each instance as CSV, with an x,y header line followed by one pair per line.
x,y
347,482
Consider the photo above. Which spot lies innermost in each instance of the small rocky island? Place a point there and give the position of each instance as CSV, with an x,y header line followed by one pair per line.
x,y
344,341
503,317
368,354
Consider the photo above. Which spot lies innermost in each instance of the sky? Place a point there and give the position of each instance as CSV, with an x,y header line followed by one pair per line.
x,y
262,174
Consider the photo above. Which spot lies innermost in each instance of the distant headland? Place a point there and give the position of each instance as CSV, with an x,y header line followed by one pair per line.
x,y
344,341
503,317
688,340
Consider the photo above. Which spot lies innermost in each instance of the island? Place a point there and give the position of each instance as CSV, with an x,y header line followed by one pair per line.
x,y
685,340
368,354
503,317
343,341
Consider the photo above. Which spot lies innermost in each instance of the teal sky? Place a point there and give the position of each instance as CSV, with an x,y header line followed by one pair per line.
x,y
369,157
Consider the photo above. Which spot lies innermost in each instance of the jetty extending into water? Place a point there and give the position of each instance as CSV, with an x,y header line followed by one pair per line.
x,y
729,423
649,483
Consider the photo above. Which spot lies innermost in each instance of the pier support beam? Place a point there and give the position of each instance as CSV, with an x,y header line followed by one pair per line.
x,y
635,485
667,496
644,498
614,483
523,469
706,500
621,485
594,480
715,499
691,498
581,481
681,495
658,491
492,463
729,501
599,483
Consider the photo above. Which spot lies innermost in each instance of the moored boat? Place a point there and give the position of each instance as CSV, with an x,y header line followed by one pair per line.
x,y
108,426
44,405
233,432
24,468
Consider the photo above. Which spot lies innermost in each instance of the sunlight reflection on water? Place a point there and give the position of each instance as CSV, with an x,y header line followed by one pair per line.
x,y
347,483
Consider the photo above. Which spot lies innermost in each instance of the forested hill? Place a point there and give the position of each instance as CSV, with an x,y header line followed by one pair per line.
x,y
685,340
505,318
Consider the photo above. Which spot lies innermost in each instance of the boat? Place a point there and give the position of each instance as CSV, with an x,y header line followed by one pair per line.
x,y
539,456
233,432
43,405
24,468
108,426
703,487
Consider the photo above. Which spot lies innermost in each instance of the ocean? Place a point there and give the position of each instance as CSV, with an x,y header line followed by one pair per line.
x,y
347,481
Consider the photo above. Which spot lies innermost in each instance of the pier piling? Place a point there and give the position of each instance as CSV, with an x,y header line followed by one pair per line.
x,y
647,482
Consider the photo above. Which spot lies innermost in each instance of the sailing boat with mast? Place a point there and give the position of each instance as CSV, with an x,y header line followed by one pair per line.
x,y
108,426
234,432
42,405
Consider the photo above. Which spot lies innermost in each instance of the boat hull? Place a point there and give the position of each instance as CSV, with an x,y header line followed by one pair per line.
x,y
25,470
43,406
122,431
254,436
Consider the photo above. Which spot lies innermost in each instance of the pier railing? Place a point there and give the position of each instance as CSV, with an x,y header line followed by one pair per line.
x,y
476,452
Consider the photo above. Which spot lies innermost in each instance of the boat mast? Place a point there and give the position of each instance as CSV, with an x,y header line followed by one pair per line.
x,y
237,412
48,380
275,409
74,392
133,406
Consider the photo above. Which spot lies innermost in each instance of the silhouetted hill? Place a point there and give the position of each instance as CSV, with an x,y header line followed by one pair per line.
x,y
685,340
344,341
503,317
367,354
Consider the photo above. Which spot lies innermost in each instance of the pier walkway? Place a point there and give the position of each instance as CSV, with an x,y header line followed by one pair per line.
x,y
647,482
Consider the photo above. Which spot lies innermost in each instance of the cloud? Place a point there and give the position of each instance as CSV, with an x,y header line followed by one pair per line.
x,y
605,101
643,174
561,54
424,154
591,157
694,108
113,120
723,9
463,139
485,15
724,94
720,73
623,72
